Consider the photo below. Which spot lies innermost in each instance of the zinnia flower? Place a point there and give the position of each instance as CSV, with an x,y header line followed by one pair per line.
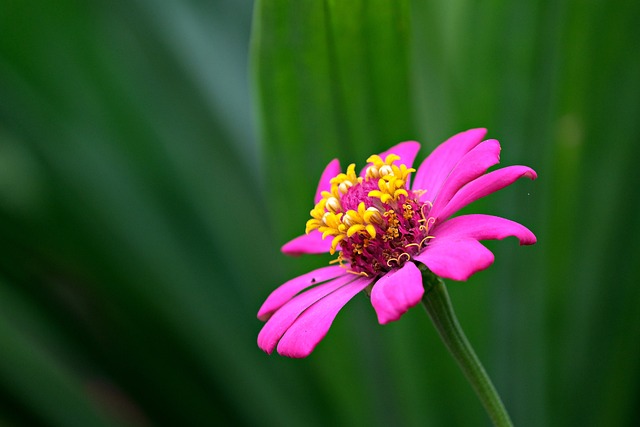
x,y
382,227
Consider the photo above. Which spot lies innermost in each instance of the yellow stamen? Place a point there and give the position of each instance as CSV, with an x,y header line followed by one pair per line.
x,y
342,182
372,216
354,229
330,218
398,260
371,230
359,273
334,243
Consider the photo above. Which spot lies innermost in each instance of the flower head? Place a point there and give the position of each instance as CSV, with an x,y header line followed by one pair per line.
x,y
382,226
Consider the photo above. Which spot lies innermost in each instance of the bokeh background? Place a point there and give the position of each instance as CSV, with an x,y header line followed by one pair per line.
x,y
154,156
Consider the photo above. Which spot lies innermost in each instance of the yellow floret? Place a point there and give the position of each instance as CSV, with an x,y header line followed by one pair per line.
x,y
328,215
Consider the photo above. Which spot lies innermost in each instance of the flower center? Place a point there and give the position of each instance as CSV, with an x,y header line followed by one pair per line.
x,y
377,223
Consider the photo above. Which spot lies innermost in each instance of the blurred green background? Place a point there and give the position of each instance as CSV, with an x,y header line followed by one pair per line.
x,y
154,156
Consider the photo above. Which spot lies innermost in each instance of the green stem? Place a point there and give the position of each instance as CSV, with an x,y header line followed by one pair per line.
x,y
438,305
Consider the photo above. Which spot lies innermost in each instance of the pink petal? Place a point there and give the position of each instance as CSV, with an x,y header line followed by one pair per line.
x,y
312,325
406,150
285,292
455,259
332,170
435,169
471,166
455,252
396,292
480,187
282,319
482,227
311,243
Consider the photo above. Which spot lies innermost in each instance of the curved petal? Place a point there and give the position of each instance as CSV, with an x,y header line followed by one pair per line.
x,y
455,259
332,170
406,150
436,168
312,325
288,290
480,187
483,227
311,243
474,164
282,319
396,292
455,252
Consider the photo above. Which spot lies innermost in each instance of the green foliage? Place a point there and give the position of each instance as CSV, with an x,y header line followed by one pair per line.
x,y
147,180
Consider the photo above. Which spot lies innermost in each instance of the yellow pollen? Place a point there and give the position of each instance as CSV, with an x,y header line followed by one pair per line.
x,y
391,178
408,211
331,219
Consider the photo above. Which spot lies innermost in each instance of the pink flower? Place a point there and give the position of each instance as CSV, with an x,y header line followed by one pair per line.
x,y
382,228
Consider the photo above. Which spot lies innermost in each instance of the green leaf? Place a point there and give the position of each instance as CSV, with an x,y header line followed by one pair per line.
x,y
332,79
